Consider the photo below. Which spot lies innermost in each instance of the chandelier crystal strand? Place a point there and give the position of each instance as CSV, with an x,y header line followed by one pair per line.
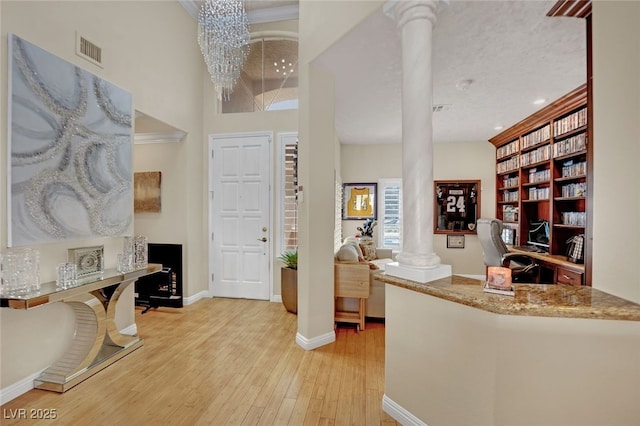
x,y
223,36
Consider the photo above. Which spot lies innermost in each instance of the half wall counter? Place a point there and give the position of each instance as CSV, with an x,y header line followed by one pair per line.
x,y
551,354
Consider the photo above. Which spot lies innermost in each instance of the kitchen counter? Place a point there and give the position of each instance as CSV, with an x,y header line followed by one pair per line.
x,y
539,300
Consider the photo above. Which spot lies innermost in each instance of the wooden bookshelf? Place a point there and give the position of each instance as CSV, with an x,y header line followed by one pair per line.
x,y
542,170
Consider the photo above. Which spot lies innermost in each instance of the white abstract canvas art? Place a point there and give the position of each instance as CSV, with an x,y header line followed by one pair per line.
x,y
70,144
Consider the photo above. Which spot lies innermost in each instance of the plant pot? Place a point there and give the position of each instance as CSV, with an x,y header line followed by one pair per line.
x,y
289,289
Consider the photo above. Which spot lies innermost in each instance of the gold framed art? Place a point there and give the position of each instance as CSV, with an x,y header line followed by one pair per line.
x,y
146,192
359,201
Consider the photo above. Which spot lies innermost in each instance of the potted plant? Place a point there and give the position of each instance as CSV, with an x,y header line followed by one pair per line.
x,y
289,280
366,230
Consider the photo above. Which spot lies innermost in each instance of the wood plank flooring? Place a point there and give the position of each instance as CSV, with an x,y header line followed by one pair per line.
x,y
226,362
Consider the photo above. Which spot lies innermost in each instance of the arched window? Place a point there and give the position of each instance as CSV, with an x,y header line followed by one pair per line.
x,y
269,79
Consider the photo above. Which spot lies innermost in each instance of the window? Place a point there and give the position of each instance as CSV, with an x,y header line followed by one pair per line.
x,y
269,78
288,188
390,213
337,213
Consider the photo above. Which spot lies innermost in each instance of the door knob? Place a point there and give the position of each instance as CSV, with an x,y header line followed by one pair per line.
x,y
263,239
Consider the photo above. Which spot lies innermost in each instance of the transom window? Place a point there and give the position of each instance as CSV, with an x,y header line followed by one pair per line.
x,y
269,78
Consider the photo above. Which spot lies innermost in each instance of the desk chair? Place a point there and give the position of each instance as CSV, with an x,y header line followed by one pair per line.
x,y
524,269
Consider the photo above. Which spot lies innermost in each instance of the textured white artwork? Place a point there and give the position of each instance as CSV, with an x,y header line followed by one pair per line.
x,y
70,140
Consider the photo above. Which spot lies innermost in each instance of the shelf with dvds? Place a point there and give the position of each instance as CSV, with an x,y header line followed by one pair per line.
x,y
542,171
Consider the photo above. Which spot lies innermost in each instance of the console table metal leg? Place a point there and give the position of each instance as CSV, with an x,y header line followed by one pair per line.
x,y
97,342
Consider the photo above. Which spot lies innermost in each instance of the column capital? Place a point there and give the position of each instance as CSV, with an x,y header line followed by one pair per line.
x,y
403,11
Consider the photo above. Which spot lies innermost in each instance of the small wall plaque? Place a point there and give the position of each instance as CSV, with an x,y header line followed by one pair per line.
x,y
455,241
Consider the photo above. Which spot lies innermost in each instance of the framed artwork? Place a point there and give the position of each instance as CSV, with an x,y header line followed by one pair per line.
x,y
359,201
70,151
457,206
455,241
146,192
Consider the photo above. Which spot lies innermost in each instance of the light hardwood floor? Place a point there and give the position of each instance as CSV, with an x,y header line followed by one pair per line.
x,y
226,362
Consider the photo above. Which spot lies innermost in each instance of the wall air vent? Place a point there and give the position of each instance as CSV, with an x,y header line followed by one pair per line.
x,y
441,107
88,50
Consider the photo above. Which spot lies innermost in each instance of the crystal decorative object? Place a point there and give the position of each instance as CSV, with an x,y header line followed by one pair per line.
x,y
223,36
140,252
66,275
125,262
19,271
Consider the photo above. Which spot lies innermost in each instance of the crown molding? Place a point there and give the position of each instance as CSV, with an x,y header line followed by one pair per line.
x,y
571,8
142,138
273,14
257,16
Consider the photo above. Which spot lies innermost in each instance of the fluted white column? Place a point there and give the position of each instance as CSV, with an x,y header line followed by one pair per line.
x,y
415,20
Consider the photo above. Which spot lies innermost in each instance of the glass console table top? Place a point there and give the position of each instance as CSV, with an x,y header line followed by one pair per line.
x,y
50,293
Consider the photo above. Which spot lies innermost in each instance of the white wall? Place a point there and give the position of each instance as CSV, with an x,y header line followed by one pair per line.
x,y
317,162
616,123
158,62
271,121
451,364
461,161
368,163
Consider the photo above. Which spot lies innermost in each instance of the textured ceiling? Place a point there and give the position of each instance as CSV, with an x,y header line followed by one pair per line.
x,y
511,50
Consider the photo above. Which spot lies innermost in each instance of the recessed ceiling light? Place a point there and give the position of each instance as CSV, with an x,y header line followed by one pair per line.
x,y
539,101
463,85
498,128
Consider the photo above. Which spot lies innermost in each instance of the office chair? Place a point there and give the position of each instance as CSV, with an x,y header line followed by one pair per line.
x,y
524,269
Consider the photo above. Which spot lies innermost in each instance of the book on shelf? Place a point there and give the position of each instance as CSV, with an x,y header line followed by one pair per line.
x,y
509,213
570,122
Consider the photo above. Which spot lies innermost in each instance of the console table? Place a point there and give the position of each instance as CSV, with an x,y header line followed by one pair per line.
x,y
97,342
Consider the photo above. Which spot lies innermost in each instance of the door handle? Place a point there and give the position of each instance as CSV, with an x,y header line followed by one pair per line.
x,y
263,239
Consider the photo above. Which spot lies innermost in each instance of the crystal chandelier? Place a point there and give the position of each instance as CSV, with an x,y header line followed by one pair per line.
x,y
223,36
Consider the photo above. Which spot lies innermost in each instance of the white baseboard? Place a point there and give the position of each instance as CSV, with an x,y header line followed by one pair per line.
x,y
276,298
132,330
315,342
15,390
399,414
193,299
25,385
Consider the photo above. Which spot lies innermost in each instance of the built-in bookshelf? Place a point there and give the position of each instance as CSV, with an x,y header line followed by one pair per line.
x,y
541,172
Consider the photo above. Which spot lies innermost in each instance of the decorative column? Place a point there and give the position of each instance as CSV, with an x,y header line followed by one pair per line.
x,y
417,261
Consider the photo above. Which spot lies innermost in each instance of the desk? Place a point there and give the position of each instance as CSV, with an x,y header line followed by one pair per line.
x,y
97,342
555,268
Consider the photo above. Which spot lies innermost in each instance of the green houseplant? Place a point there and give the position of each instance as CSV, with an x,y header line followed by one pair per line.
x,y
289,280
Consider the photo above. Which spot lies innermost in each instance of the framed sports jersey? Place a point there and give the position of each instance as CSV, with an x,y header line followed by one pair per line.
x,y
359,201
457,206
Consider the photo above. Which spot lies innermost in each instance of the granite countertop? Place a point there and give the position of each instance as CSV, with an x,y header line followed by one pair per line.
x,y
539,300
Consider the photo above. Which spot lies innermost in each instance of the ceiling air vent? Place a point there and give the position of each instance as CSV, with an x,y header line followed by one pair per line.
x,y
88,50
441,107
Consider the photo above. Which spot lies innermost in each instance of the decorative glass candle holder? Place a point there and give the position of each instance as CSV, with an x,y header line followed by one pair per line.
x,y
19,271
66,275
140,252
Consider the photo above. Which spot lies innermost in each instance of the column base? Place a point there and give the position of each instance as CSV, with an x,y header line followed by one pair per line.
x,y
421,275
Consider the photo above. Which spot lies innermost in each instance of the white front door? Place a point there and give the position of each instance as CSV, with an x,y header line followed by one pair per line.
x,y
239,214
